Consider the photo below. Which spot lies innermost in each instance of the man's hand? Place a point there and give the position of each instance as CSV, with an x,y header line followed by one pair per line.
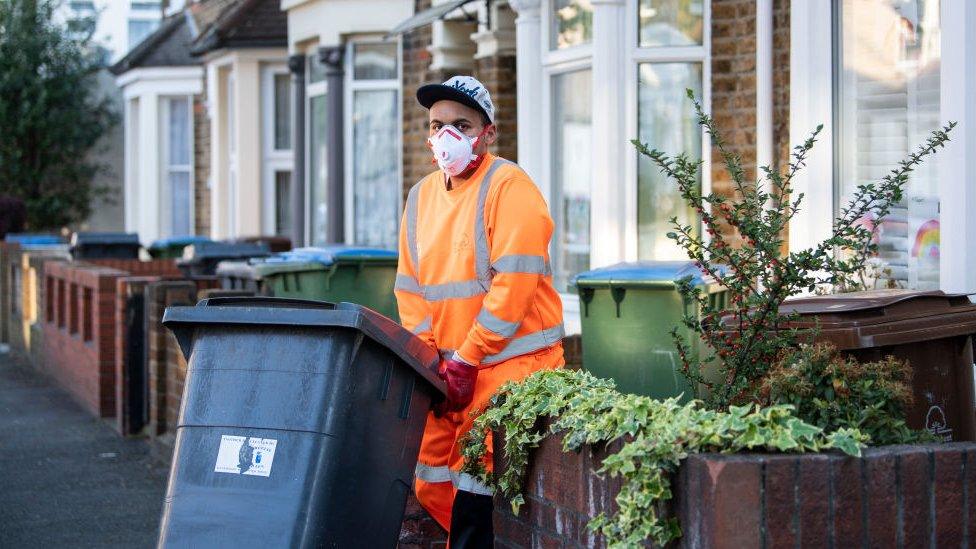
x,y
460,378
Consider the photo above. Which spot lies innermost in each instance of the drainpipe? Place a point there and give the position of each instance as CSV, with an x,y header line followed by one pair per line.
x,y
764,85
331,57
296,64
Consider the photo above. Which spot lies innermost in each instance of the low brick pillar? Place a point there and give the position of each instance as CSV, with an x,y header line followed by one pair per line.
x,y
161,361
25,279
419,530
80,345
7,252
573,351
894,496
79,333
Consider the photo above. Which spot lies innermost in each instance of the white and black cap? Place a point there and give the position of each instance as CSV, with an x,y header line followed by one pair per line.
x,y
462,89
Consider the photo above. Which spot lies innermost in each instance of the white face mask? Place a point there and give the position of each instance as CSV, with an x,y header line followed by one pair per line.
x,y
452,149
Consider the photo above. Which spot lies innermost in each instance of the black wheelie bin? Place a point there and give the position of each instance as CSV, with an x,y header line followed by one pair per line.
x,y
300,424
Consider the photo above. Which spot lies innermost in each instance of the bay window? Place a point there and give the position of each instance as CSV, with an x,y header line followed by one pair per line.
x,y
609,204
316,171
177,124
373,180
887,101
276,149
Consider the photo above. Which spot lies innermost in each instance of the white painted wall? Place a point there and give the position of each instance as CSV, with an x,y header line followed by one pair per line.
x,y
326,21
247,202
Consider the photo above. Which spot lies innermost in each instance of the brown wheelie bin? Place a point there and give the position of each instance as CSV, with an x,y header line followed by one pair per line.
x,y
932,330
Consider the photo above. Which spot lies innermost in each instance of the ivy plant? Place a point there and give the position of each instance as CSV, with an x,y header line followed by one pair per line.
x,y
656,435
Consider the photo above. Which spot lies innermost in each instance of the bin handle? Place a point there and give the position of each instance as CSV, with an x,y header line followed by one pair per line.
x,y
265,301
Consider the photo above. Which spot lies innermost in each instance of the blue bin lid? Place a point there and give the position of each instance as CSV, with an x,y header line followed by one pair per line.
x,y
328,255
115,239
34,239
642,273
178,241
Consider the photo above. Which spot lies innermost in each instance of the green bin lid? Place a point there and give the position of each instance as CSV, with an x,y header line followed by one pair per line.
x,y
642,274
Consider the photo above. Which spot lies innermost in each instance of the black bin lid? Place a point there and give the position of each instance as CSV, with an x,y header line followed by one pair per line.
x,y
86,239
276,311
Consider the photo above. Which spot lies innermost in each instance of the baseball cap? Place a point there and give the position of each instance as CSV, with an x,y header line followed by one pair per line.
x,y
463,89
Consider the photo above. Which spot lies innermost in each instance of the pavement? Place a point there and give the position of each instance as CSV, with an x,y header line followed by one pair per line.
x,y
68,479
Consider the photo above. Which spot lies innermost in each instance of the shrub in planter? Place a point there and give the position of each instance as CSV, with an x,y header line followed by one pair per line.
x,y
656,436
830,390
751,334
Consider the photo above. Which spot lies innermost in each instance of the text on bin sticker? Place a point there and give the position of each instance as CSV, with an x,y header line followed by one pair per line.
x,y
245,455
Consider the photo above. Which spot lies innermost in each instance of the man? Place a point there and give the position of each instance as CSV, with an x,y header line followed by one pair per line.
x,y
474,282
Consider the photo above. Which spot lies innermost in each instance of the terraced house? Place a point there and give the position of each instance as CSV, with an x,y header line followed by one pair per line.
x,y
327,153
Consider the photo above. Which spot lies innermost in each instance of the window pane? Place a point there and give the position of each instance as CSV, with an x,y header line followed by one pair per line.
x,y
376,180
572,173
282,112
571,23
316,69
317,168
666,121
283,203
180,206
179,132
139,29
888,102
670,22
375,61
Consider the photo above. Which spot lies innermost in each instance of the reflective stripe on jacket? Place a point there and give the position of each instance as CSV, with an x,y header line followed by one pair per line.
x,y
474,273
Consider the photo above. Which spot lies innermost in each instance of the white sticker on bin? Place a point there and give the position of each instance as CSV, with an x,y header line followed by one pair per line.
x,y
245,455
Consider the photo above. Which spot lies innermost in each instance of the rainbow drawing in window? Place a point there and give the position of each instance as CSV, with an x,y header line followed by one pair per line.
x,y
927,240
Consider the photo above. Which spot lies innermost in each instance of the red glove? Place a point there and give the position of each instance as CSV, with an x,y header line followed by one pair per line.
x,y
460,378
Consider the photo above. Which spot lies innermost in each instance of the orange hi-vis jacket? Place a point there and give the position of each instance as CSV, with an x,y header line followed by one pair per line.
x,y
474,273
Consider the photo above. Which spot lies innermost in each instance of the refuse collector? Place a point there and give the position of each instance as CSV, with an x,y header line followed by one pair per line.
x,y
474,281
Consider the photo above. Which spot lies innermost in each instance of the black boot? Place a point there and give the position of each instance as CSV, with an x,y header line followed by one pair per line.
x,y
471,522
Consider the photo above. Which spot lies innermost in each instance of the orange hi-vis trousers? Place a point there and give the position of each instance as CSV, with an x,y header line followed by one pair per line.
x,y
438,475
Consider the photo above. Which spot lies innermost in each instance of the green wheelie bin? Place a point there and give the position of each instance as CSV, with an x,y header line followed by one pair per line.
x,y
172,248
337,273
628,311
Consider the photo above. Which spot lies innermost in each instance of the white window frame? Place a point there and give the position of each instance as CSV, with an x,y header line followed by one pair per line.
x,y
811,103
233,166
274,160
619,190
351,86
659,54
165,191
312,90
554,63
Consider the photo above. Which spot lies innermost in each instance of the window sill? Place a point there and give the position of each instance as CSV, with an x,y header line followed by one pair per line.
x,y
571,314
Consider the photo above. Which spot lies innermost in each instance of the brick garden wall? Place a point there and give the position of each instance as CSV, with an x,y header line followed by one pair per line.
x,y
909,496
79,326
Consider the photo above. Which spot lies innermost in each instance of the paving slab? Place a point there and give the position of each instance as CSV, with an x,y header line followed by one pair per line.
x,y
68,479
